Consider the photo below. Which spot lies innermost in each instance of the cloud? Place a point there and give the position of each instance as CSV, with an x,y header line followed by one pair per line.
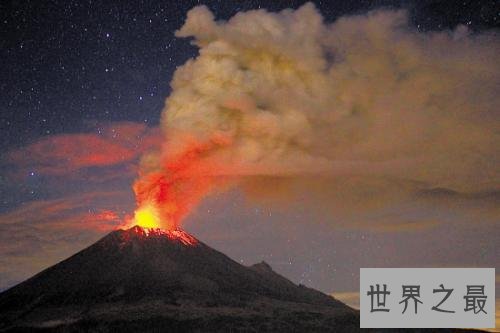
x,y
363,96
351,298
109,145
78,211
40,233
360,114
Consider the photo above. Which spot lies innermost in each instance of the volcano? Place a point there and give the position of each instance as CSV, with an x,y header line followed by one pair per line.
x,y
150,280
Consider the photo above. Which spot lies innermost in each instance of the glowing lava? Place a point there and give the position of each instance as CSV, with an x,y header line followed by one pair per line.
x,y
173,235
147,216
147,222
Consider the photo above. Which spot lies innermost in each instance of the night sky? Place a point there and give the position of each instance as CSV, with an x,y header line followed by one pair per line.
x,y
70,64
81,76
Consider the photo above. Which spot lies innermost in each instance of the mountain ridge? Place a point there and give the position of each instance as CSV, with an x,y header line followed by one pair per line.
x,y
150,280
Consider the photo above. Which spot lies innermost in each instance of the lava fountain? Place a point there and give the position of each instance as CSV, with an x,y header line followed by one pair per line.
x,y
147,217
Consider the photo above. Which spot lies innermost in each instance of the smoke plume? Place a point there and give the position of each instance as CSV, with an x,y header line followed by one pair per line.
x,y
364,109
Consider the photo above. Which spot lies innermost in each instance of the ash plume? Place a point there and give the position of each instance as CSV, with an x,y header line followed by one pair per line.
x,y
365,109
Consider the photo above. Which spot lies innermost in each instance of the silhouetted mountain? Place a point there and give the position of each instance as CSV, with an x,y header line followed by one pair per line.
x,y
143,280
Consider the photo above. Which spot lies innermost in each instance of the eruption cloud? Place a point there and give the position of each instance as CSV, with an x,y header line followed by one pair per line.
x,y
363,108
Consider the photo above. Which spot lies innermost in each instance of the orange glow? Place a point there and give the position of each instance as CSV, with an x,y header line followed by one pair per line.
x,y
147,217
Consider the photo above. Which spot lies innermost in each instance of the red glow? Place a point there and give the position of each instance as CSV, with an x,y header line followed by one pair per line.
x,y
107,215
174,235
184,180
115,144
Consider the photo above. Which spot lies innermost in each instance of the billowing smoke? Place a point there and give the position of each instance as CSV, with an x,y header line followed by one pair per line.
x,y
366,108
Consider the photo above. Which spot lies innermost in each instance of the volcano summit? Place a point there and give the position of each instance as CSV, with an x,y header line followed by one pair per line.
x,y
149,280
